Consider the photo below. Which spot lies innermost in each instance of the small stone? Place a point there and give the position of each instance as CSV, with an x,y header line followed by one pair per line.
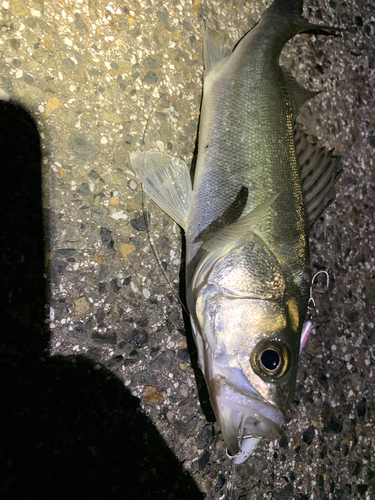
x,y
283,443
205,436
52,104
151,77
80,329
187,26
67,64
335,425
361,410
142,322
154,351
161,116
113,201
58,267
197,6
84,189
163,15
362,488
112,117
115,362
127,141
143,378
136,337
165,361
81,306
308,435
64,253
93,175
184,355
79,24
100,317
28,79
94,72
83,147
151,395
206,486
129,361
149,62
140,222
114,285
106,237
126,249
78,76
203,460
220,483
104,338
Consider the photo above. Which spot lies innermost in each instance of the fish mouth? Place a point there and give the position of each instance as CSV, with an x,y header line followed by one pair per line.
x,y
244,416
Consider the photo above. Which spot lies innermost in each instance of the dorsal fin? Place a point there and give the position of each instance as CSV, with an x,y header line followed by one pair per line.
x,y
298,94
319,169
213,53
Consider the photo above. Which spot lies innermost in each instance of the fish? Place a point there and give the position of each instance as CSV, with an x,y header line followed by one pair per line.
x,y
258,187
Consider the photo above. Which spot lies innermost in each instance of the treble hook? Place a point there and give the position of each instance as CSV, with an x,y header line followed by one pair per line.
x,y
311,302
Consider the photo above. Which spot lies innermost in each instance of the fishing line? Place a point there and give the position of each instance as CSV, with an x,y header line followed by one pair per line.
x,y
147,219
232,478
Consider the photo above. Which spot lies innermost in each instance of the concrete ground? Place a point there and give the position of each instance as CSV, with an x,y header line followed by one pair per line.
x,y
94,76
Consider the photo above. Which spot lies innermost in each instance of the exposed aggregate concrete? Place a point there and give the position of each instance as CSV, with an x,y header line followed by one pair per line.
x,y
95,76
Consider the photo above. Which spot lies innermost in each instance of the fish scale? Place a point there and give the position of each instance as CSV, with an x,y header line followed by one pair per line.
x,y
258,186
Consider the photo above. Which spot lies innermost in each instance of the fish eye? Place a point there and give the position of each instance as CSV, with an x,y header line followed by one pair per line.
x,y
270,359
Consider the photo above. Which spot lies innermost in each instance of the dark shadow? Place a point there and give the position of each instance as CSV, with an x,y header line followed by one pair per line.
x,y
68,428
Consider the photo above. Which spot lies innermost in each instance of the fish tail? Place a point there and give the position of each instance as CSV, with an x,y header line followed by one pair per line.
x,y
292,7
293,10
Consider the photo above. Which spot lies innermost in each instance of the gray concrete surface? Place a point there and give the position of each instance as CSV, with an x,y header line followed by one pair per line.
x,y
91,74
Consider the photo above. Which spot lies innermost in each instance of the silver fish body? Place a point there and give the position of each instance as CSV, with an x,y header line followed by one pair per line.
x,y
258,186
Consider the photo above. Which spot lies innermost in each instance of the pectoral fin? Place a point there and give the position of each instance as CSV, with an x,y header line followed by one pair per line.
x,y
239,231
166,179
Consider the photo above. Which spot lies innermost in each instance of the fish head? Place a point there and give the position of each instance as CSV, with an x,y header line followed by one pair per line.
x,y
248,343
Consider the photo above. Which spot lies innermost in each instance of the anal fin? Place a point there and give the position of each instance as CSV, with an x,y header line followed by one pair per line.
x,y
319,170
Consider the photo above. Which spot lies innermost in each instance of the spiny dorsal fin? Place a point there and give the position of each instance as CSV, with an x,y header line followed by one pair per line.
x,y
319,169
212,52
298,94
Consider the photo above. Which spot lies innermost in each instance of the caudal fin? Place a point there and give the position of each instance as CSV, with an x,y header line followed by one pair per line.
x,y
294,9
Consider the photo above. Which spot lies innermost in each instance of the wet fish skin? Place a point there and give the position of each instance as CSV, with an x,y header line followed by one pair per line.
x,y
247,224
